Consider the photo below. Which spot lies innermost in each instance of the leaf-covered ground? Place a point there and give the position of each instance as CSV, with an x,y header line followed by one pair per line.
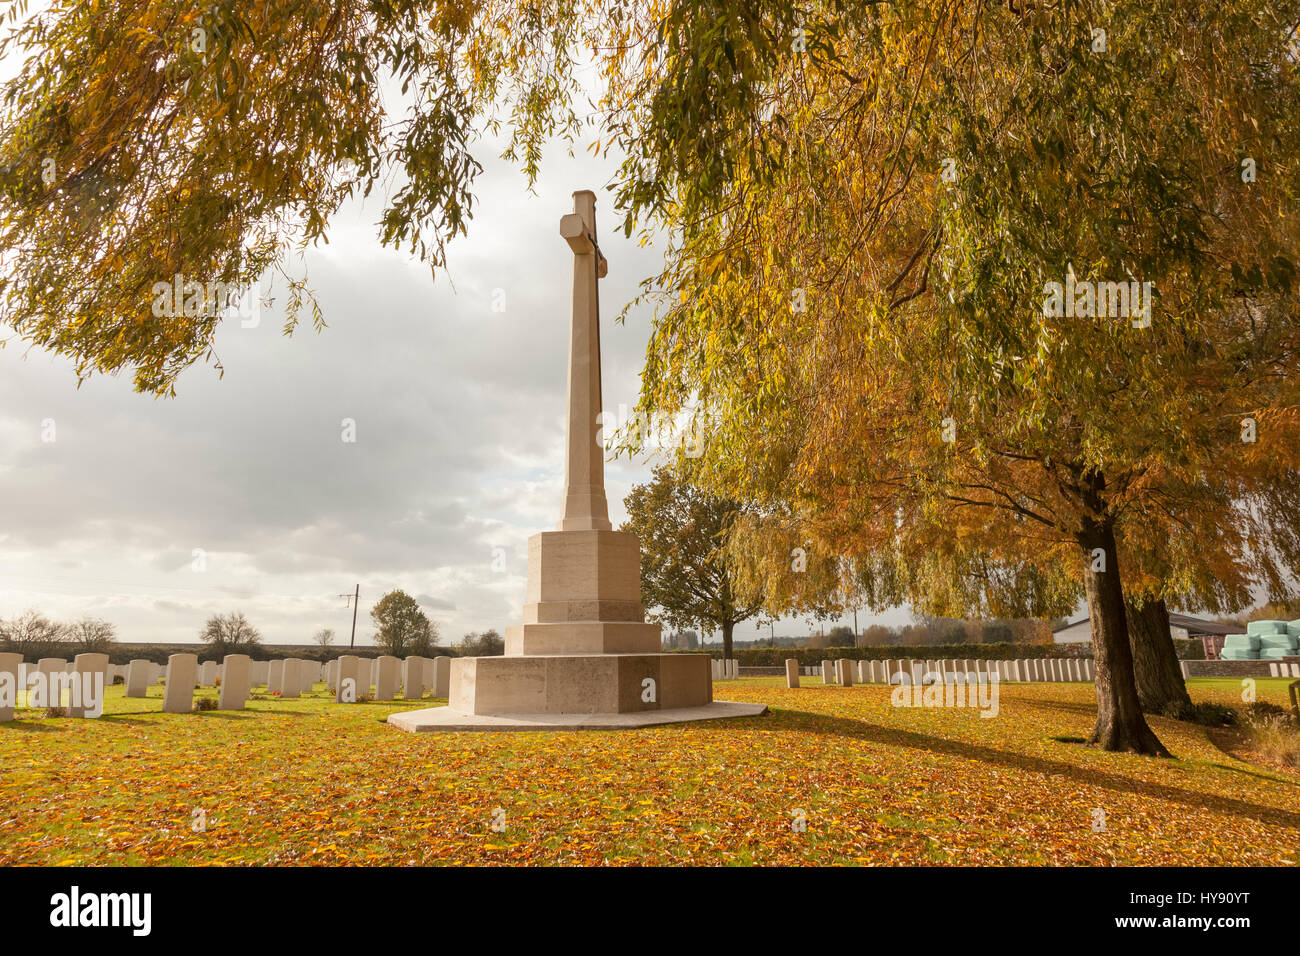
x,y
312,782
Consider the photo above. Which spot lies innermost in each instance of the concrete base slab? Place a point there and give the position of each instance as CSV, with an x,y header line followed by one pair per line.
x,y
444,718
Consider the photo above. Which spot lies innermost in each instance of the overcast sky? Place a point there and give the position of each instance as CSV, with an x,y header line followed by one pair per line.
x,y
459,414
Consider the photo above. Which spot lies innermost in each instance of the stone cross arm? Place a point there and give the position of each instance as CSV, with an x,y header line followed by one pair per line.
x,y
581,240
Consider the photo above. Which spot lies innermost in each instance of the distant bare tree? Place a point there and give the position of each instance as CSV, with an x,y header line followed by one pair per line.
x,y
32,635
230,634
323,639
92,635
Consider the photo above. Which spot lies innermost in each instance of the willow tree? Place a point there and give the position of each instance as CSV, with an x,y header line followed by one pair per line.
x,y
892,241
142,142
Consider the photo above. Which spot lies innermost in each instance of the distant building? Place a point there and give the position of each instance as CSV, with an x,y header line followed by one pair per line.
x,y
1180,626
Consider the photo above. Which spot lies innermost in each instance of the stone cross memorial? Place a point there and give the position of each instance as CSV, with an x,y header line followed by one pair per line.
x,y
584,655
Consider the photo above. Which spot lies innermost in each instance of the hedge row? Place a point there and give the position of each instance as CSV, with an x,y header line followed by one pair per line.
x,y
807,656
1188,649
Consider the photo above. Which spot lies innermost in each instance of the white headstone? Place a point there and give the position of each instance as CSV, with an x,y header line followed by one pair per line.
x,y
50,688
182,669
11,667
386,670
844,672
275,678
441,676
208,674
308,672
235,678
92,673
291,678
348,690
791,673
827,676
413,678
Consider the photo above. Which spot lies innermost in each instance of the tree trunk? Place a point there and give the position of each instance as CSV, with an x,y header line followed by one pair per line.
x,y
1120,725
727,627
1159,679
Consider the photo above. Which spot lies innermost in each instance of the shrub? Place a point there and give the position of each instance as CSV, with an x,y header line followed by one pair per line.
x,y
56,711
1275,736
205,703
1263,710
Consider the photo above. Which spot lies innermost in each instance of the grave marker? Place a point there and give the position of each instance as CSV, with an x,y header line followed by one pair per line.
x,y
291,678
235,682
11,667
87,667
386,669
413,678
441,676
348,674
182,669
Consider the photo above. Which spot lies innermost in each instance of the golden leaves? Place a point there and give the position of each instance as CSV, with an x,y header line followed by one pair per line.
x,y
310,782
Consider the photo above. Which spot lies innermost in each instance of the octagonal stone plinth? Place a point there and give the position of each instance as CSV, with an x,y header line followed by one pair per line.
x,y
579,684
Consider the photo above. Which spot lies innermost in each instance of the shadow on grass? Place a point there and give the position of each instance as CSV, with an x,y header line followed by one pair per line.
x,y
1064,706
1084,776
1254,773
28,725
227,714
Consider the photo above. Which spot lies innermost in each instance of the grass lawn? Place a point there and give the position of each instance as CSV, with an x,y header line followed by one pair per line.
x,y
309,781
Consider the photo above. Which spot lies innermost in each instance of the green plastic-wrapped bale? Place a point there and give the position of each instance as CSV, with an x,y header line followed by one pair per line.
x,y
1247,642
1276,640
1266,627
1239,654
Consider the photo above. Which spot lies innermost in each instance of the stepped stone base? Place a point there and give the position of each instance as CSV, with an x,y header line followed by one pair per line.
x,y
579,683
434,719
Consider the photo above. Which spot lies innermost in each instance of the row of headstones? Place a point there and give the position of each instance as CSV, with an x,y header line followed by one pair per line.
x,y
846,672
1282,669
727,669
237,675
351,678
83,668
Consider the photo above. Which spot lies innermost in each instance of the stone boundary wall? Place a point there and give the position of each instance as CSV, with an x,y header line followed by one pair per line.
x,y
1226,668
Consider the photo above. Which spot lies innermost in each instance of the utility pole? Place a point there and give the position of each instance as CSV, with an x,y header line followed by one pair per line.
x,y
355,599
